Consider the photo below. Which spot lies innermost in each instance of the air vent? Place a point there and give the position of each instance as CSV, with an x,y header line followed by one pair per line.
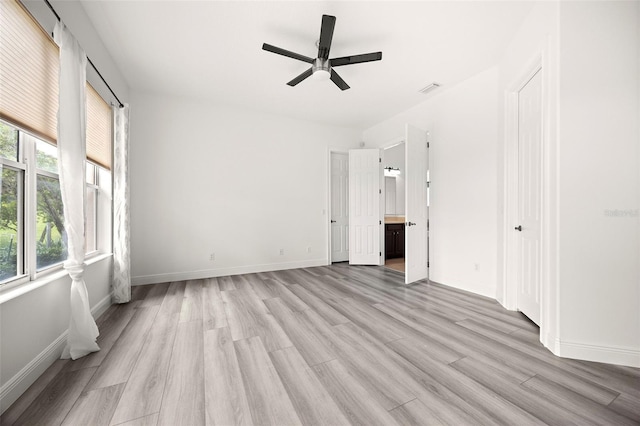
x,y
429,88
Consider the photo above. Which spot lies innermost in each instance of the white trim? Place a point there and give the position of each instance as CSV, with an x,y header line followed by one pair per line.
x,y
608,354
19,383
222,272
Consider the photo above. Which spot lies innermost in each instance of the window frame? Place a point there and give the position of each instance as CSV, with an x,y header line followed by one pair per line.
x,y
26,265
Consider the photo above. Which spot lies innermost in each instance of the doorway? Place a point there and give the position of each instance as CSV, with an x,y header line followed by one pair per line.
x,y
393,163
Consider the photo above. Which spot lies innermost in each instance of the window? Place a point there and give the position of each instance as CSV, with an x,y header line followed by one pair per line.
x,y
32,235
33,239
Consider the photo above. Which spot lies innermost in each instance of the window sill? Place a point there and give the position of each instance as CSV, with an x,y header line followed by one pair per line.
x,y
18,289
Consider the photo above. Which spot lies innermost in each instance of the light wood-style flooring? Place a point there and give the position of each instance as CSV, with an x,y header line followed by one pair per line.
x,y
330,345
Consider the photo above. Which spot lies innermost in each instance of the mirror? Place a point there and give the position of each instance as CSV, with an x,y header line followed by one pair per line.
x,y
394,185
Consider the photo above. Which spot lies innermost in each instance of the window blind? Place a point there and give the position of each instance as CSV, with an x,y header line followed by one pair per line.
x,y
29,84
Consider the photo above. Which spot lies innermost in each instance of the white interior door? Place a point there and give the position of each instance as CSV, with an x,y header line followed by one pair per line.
x,y
364,207
529,196
416,209
339,207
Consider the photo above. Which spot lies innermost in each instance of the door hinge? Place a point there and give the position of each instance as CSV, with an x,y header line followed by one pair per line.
x,y
379,191
427,264
380,222
428,144
379,159
380,254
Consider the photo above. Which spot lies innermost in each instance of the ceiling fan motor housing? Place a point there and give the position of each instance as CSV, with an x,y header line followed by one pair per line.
x,y
320,64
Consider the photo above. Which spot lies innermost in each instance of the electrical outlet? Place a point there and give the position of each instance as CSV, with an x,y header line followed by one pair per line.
x,y
281,252
212,257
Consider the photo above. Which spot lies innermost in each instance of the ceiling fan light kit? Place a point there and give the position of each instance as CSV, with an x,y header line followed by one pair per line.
x,y
322,66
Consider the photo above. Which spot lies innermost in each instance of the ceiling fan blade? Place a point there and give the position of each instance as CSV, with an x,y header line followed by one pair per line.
x,y
338,81
283,52
326,35
301,77
356,59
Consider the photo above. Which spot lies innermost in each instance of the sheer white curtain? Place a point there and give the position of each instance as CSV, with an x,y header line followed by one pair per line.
x,y
83,331
121,262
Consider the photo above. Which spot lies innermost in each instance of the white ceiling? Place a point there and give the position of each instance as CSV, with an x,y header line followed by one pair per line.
x,y
212,50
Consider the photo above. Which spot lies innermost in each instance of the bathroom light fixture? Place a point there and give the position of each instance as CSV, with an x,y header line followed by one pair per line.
x,y
391,171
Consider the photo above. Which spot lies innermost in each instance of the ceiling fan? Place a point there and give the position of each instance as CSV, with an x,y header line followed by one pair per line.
x,y
322,66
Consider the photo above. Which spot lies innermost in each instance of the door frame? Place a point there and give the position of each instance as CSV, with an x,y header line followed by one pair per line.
x,y
327,212
548,293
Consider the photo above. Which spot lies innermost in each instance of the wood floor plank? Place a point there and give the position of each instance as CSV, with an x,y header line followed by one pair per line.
x,y
226,283
144,389
373,369
172,302
183,399
117,366
242,308
16,409
214,315
627,406
575,402
443,402
465,344
545,364
248,316
212,286
268,400
226,401
415,413
283,292
376,322
95,407
56,400
332,316
352,398
493,405
110,330
191,309
155,296
501,384
150,420
311,345
433,349
313,404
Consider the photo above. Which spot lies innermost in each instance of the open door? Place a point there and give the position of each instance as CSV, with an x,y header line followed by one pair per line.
x,y
364,207
416,209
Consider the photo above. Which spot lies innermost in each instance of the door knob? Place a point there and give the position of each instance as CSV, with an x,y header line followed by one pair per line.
x,y
411,224
518,228
333,221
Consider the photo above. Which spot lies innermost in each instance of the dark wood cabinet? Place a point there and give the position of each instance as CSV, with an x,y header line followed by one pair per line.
x,y
394,240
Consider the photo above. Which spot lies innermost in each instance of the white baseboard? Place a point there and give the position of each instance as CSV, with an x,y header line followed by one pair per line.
x,y
19,383
223,272
607,354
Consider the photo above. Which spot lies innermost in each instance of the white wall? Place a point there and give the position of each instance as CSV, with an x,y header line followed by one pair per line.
x,y
214,179
463,122
599,249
